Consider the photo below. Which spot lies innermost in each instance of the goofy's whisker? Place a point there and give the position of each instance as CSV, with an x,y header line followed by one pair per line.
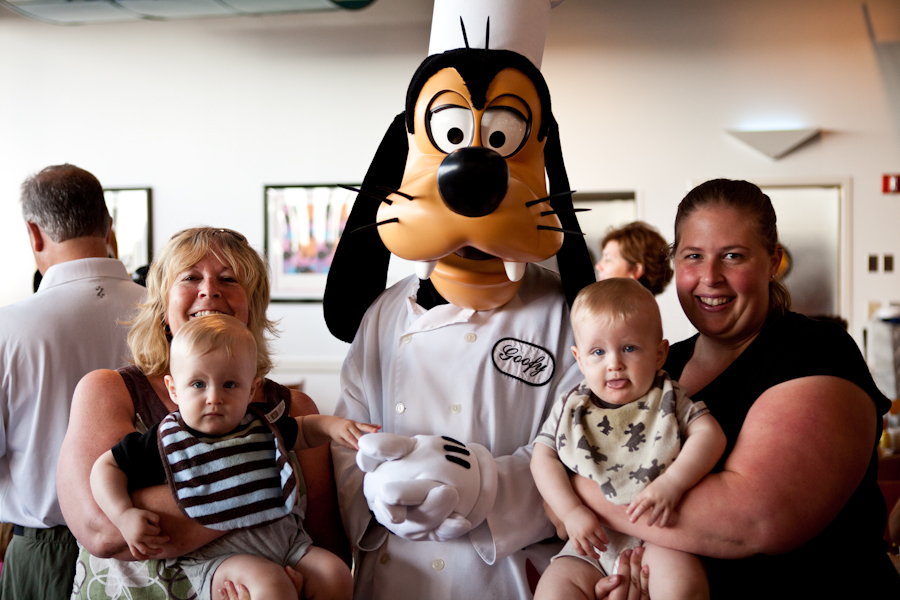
x,y
546,198
560,229
564,210
378,224
393,191
367,194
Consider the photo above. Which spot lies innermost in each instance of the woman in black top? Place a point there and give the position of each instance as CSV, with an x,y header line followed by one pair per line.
x,y
792,509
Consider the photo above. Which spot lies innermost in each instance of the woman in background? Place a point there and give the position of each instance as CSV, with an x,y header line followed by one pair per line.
x,y
636,251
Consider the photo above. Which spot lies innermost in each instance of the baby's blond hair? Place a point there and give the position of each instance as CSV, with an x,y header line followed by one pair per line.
x,y
618,298
204,334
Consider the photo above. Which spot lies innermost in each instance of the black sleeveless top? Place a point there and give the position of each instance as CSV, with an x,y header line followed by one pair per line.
x,y
848,558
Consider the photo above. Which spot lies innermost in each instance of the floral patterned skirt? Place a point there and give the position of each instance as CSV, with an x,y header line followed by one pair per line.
x,y
110,579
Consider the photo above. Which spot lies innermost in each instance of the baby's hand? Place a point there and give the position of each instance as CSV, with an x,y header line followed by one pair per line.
x,y
585,531
141,530
347,433
658,500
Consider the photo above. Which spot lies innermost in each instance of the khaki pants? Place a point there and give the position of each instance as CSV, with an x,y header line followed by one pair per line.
x,y
39,564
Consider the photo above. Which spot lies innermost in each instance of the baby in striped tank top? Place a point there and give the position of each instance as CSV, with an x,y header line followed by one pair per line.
x,y
226,460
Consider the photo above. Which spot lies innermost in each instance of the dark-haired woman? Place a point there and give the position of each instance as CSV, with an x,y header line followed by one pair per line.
x,y
793,509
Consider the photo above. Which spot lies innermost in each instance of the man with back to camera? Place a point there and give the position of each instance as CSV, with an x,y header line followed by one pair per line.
x,y
48,342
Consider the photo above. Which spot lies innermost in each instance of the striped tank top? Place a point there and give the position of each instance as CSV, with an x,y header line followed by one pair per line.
x,y
241,479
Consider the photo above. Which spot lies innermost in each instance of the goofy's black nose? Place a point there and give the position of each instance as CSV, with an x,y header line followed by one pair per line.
x,y
473,181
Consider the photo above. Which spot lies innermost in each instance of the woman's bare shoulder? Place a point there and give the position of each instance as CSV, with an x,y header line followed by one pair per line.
x,y
100,377
103,392
102,384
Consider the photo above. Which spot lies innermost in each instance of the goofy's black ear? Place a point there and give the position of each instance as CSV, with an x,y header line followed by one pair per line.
x,y
358,272
575,267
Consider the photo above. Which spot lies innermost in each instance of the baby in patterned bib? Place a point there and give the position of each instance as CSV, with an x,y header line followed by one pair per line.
x,y
623,427
226,460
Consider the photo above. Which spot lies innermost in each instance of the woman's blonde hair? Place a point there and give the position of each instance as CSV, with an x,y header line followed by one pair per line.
x,y
149,336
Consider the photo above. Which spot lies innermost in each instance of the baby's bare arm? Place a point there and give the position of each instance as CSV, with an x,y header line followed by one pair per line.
x,y
140,528
703,446
552,480
316,430
109,484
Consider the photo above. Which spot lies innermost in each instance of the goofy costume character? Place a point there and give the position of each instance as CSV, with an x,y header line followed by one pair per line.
x,y
460,363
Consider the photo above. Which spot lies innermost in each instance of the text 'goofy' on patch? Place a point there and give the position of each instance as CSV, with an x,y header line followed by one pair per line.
x,y
523,361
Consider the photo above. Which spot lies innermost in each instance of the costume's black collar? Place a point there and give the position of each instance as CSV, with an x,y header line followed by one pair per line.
x,y
427,297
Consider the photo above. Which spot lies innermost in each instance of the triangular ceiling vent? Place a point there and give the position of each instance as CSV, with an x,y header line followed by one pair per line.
x,y
776,144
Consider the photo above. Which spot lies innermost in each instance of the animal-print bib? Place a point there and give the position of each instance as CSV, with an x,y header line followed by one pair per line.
x,y
625,448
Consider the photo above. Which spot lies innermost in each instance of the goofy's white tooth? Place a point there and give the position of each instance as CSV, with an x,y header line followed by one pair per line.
x,y
425,268
514,270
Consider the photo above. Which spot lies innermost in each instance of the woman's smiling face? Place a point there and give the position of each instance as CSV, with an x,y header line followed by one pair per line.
x,y
722,274
208,287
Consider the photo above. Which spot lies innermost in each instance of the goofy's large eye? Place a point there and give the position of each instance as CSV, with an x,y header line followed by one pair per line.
x,y
450,128
503,130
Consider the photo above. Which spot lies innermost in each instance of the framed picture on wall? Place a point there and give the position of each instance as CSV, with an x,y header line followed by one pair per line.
x,y
303,225
131,212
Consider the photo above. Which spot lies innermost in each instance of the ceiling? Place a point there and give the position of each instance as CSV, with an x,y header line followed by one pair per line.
x,y
80,12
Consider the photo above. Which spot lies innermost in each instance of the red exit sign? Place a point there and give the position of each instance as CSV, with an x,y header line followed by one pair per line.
x,y
891,184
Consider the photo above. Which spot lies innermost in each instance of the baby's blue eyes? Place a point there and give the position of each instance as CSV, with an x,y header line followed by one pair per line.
x,y
601,352
227,385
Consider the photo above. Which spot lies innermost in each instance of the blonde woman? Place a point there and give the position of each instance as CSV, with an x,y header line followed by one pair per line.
x,y
200,271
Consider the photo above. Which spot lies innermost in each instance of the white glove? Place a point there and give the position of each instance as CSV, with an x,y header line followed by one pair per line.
x,y
427,487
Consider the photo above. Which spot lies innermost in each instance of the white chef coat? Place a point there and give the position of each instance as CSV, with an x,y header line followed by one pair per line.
x,y
48,342
488,377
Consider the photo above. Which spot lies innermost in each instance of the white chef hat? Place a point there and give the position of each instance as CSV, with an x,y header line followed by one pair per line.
x,y
517,25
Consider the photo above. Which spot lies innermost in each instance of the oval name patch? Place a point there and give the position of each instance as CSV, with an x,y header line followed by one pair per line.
x,y
523,361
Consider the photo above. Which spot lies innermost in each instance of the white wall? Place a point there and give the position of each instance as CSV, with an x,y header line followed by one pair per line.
x,y
206,112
